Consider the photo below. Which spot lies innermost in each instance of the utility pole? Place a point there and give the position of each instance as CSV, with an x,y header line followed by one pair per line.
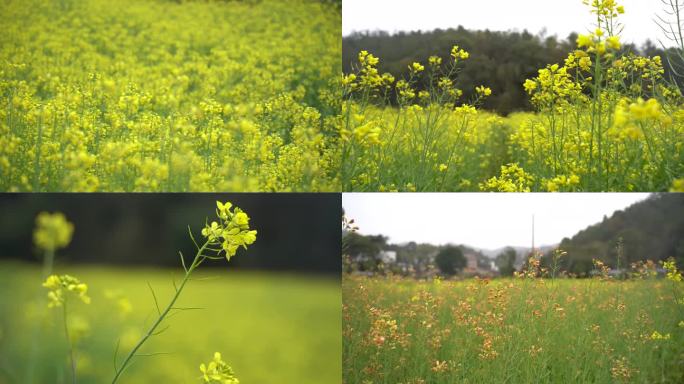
x,y
532,251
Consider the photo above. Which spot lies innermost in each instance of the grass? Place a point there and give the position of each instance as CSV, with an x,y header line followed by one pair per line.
x,y
271,328
511,331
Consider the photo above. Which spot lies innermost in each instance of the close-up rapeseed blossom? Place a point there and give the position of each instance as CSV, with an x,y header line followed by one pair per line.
x,y
232,232
144,288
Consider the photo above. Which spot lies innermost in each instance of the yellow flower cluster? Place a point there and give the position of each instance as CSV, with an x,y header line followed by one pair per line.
x,y
231,231
595,42
657,336
677,185
53,231
673,273
368,133
553,88
631,117
458,53
512,179
218,371
578,59
416,68
106,96
606,120
59,286
415,146
562,183
605,8
368,78
483,91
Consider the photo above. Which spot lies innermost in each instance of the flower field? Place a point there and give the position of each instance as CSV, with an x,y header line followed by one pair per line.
x,y
512,331
606,119
169,95
261,322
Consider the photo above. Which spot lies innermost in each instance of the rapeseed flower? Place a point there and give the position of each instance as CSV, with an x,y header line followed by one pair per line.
x,y
435,60
53,231
673,273
614,42
416,68
483,91
530,86
60,286
677,185
218,371
657,336
458,53
585,41
232,231
512,179
253,108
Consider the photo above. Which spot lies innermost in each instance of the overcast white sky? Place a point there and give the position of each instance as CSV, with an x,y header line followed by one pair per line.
x,y
559,17
482,220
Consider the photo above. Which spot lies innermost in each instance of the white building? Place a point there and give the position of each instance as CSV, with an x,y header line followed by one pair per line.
x,y
388,257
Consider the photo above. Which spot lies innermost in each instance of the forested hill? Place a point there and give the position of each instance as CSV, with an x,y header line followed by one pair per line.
x,y
499,60
651,229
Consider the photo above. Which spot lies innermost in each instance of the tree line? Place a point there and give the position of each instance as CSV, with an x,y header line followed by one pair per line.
x,y
499,60
363,253
652,229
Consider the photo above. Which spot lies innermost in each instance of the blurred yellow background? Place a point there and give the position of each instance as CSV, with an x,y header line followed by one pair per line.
x,y
270,327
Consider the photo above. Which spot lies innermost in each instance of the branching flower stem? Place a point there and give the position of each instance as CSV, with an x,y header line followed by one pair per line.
x,y
199,258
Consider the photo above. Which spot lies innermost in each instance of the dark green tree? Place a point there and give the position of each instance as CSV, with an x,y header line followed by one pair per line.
x,y
450,260
365,250
505,261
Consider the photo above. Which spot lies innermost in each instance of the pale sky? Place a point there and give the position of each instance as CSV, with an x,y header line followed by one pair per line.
x,y
558,17
481,220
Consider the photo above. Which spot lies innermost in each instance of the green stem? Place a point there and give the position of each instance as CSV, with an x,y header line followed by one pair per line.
x,y
48,261
36,161
162,316
68,338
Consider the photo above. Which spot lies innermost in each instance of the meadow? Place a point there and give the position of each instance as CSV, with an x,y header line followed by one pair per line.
x,y
164,95
271,328
398,330
605,119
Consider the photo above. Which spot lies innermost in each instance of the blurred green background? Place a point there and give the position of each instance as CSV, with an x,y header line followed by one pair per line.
x,y
274,311
297,232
